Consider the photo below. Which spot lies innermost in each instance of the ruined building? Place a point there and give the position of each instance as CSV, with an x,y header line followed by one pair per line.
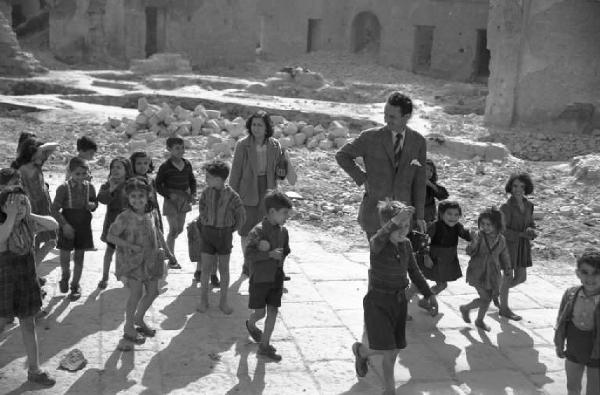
x,y
545,57
442,38
13,60
206,31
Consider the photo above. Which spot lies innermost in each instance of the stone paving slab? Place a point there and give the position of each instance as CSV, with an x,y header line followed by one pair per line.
x,y
320,318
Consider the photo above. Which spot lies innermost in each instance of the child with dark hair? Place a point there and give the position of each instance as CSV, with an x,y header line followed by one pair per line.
x,y
444,233
9,176
489,257
19,287
175,181
112,193
578,325
385,305
221,214
73,205
519,232
141,252
433,191
86,150
268,246
142,166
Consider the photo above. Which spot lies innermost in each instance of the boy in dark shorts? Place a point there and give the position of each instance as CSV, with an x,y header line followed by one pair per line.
x,y
175,181
221,213
268,245
385,304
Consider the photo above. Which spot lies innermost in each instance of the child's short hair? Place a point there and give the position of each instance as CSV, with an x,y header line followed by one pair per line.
x,y
174,140
277,200
5,193
525,178
388,209
217,168
8,175
494,215
434,176
86,143
445,205
77,162
126,164
266,119
590,256
138,155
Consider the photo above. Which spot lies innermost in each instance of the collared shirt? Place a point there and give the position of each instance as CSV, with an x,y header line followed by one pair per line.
x,y
221,208
583,311
396,135
74,195
263,268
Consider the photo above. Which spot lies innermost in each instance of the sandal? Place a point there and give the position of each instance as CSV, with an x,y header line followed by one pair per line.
x,y
509,314
146,330
255,333
137,339
174,265
360,363
42,378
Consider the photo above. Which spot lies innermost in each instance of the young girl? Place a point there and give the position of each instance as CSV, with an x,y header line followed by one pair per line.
x,y
32,155
444,234
73,205
489,256
520,230
112,193
432,191
142,166
19,286
141,250
577,325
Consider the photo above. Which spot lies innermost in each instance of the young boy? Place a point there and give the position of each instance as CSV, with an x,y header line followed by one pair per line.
x,y
268,245
221,213
176,183
385,303
73,205
86,150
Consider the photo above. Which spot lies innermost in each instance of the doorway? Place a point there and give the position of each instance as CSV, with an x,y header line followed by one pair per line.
x,y
155,30
482,56
366,33
313,41
422,48
16,15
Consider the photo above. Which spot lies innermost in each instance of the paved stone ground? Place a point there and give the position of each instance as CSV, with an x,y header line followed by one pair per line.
x,y
320,318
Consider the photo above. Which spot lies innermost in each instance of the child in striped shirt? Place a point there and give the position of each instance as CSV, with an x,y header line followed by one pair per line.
x,y
221,213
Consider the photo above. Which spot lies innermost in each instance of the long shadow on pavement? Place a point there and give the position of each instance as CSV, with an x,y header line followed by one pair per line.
x,y
119,382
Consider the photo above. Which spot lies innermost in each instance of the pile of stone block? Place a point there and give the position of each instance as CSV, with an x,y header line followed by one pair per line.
x,y
161,63
162,121
13,60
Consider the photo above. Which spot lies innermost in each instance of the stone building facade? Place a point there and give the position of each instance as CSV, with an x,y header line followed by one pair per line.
x,y
206,31
545,57
17,11
442,38
13,60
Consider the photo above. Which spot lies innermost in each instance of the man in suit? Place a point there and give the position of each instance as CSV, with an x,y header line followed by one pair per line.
x,y
394,164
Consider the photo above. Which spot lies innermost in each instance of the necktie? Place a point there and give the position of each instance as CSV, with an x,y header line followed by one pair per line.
x,y
398,148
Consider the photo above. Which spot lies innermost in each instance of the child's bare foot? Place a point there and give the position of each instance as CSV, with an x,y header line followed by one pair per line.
x,y
225,308
144,329
203,306
481,325
465,314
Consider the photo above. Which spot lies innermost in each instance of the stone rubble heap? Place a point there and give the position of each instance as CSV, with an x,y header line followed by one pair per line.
x,y
13,60
162,121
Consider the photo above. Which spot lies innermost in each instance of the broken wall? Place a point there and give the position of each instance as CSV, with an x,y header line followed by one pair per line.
x,y
14,61
545,56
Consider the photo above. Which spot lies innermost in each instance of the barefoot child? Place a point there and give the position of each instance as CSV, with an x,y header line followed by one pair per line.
x,y
221,214
19,287
268,246
578,325
175,181
141,251
433,191
489,257
385,304
73,205
519,232
112,193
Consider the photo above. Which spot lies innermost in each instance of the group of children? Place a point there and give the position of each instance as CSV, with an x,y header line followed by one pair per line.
x,y
499,250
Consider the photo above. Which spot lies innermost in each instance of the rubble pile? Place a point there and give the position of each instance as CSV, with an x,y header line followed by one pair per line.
x,y
162,121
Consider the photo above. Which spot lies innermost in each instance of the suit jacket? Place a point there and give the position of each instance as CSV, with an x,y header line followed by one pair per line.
x,y
407,184
244,173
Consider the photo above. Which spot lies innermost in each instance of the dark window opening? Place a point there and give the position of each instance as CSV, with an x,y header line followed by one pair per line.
x,y
482,55
423,45
313,42
16,15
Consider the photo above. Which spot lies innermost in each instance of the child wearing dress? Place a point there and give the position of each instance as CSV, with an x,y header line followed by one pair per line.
x,y
444,233
433,191
142,166
578,325
112,193
489,257
32,155
175,181
385,305
73,205
221,213
141,252
19,286
520,230
268,246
